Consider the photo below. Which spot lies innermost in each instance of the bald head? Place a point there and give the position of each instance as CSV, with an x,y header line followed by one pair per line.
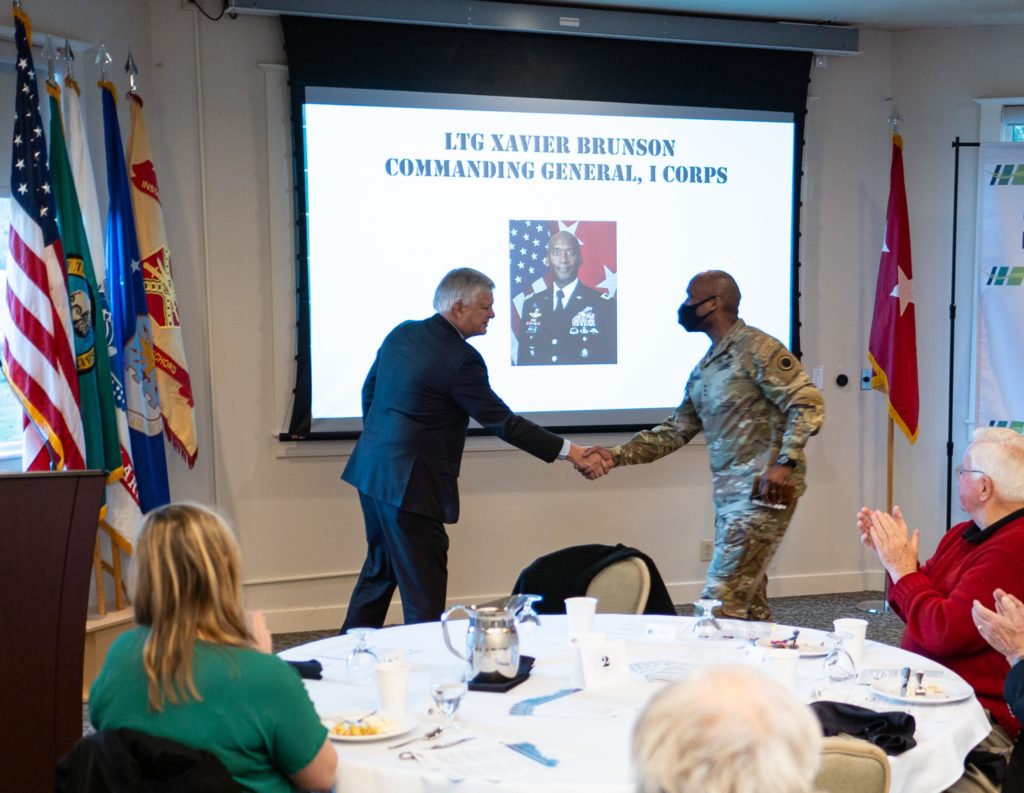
x,y
564,257
716,282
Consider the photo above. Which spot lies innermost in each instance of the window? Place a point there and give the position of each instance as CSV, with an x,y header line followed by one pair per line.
x,y
10,408
1012,117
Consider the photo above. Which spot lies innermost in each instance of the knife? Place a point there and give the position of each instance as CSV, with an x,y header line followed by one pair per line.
x,y
452,743
905,676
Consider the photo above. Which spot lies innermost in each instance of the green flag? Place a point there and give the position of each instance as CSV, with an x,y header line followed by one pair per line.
x,y
102,448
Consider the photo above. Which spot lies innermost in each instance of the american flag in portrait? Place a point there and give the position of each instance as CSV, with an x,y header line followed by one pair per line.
x,y
528,269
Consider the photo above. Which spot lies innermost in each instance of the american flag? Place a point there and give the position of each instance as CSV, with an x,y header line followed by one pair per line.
x,y
38,353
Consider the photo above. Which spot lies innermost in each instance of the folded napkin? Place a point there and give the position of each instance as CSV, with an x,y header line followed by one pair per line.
x,y
308,670
891,731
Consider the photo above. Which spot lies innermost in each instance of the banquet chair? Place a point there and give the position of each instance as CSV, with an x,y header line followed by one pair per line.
x,y
852,765
625,580
622,587
129,761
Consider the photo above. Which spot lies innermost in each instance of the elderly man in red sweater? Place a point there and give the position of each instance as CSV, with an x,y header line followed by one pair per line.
x,y
934,599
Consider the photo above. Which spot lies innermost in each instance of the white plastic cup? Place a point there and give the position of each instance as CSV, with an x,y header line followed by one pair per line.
x,y
580,611
780,665
853,631
392,685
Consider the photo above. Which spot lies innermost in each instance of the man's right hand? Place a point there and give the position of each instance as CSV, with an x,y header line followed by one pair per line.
x,y
597,461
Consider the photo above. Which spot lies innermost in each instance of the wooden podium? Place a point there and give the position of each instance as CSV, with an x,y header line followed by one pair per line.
x,y
48,525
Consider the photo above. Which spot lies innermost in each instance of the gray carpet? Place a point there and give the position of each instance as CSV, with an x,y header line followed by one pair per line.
x,y
808,611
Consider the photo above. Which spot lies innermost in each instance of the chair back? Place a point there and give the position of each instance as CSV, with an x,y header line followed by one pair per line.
x,y
622,587
129,761
852,765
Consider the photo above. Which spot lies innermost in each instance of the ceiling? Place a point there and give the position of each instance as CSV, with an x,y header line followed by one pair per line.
x,y
876,14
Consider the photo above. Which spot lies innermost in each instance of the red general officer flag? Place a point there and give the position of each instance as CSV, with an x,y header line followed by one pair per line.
x,y
892,349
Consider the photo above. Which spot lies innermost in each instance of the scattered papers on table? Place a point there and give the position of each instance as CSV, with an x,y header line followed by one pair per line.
x,y
488,760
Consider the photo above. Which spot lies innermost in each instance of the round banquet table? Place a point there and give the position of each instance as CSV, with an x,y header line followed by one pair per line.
x,y
588,732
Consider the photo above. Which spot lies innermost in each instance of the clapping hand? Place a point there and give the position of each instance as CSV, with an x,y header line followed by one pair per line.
x,y
1004,627
888,534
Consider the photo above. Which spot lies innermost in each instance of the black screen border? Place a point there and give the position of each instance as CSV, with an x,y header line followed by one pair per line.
x,y
405,57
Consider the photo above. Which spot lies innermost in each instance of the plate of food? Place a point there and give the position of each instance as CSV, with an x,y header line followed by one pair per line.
x,y
808,648
356,728
931,690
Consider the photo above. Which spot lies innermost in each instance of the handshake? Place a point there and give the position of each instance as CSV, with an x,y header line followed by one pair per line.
x,y
592,462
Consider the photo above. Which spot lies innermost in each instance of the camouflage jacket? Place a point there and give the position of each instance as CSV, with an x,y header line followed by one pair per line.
x,y
753,400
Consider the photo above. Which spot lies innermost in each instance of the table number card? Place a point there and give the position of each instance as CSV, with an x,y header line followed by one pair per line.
x,y
600,663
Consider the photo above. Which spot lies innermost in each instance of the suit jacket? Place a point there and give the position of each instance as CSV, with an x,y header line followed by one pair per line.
x,y
582,332
422,389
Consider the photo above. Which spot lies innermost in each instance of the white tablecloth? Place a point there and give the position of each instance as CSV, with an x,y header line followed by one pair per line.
x,y
589,732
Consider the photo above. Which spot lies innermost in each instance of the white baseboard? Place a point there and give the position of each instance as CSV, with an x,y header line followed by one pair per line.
x,y
330,617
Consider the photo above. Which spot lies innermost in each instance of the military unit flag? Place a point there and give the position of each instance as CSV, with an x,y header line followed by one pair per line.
x,y
172,376
38,352
892,349
133,338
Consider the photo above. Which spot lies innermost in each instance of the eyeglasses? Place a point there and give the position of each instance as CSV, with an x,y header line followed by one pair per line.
x,y
960,471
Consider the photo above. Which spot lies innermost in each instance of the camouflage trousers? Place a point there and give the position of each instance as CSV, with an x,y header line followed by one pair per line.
x,y
746,538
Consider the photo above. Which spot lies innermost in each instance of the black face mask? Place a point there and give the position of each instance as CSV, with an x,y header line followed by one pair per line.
x,y
688,316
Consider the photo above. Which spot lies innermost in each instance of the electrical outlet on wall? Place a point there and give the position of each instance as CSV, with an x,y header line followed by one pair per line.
x,y
707,548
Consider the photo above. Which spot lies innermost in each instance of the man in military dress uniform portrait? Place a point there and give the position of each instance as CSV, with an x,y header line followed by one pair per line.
x,y
570,323
757,408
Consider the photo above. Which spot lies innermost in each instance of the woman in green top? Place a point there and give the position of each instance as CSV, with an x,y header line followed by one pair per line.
x,y
193,672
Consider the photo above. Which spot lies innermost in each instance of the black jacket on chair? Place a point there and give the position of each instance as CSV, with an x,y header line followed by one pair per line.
x,y
129,761
568,573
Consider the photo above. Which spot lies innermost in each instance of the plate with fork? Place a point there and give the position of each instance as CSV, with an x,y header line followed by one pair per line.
x,y
922,690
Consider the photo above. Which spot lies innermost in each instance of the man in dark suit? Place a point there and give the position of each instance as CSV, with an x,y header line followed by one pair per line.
x,y
570,323
424,386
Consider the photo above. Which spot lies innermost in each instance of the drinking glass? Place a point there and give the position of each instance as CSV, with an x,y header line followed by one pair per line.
x,y
707,626
362,659
448,686
839,665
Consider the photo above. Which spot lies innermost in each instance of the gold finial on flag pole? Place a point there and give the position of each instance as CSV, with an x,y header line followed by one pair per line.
x,y
103,58
132,69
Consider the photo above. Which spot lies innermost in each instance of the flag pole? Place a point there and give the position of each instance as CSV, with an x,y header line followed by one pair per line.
x,y
882,606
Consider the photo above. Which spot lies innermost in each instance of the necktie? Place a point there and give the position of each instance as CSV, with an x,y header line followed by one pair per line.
x,y
560,302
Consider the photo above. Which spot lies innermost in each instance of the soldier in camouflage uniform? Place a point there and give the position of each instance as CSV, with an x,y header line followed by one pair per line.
x,y
757,408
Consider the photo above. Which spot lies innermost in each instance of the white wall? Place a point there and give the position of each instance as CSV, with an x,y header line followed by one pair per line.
x,y
301,527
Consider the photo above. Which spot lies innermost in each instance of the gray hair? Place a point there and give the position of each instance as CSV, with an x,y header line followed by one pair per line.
x,y
461,284
726,730
999,453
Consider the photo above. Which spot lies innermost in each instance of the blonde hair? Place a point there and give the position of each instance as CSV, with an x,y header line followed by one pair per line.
x,y
187,585
726,730
999,453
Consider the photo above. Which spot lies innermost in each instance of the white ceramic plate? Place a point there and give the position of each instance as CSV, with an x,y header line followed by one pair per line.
x,y
938,690
389,725
807,649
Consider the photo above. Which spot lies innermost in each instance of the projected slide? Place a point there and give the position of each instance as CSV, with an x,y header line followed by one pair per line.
x,y
590,218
